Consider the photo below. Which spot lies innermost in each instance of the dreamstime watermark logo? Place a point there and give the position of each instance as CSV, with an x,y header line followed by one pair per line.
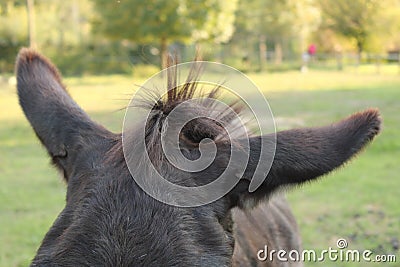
x,y
141,151
339,254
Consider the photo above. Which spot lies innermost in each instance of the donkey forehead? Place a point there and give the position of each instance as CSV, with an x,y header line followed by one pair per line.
x,y
114,210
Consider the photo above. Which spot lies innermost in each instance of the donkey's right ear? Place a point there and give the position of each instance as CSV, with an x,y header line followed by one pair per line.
x,y
60,124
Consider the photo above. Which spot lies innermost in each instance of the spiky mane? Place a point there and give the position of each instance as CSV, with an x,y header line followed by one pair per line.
x,y
162,105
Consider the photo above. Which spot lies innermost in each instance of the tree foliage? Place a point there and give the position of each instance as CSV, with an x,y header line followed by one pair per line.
x,y
123,28
276,22
165,21
13,33
353,19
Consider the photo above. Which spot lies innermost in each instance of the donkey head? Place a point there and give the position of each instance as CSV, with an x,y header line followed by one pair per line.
x,y
109,220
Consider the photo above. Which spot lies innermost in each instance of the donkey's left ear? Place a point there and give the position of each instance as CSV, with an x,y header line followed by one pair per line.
x,y
302,155
60,124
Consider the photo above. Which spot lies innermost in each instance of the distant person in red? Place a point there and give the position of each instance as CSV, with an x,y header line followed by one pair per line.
x,y
312,49
308,56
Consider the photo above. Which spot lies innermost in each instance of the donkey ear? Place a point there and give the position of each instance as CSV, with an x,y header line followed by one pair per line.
x,y
304,154
60,124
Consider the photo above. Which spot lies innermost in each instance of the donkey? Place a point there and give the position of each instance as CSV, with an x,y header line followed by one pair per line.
x,y
108,220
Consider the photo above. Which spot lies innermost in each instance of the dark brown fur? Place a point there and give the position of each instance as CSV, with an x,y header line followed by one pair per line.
x,y
109,221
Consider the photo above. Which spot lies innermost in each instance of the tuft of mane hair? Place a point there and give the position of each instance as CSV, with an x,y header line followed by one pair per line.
x,y
203,108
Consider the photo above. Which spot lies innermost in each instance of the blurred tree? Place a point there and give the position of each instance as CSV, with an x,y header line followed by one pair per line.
x,y
308,20
13,33
275,21
165,21
62,30
385,30
218,26
31,23
63,24
352,19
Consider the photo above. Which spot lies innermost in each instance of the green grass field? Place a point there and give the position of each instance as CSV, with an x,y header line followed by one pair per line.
x,y
360,202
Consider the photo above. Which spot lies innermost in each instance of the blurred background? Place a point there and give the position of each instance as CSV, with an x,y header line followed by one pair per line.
x,y
316,61
106,36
